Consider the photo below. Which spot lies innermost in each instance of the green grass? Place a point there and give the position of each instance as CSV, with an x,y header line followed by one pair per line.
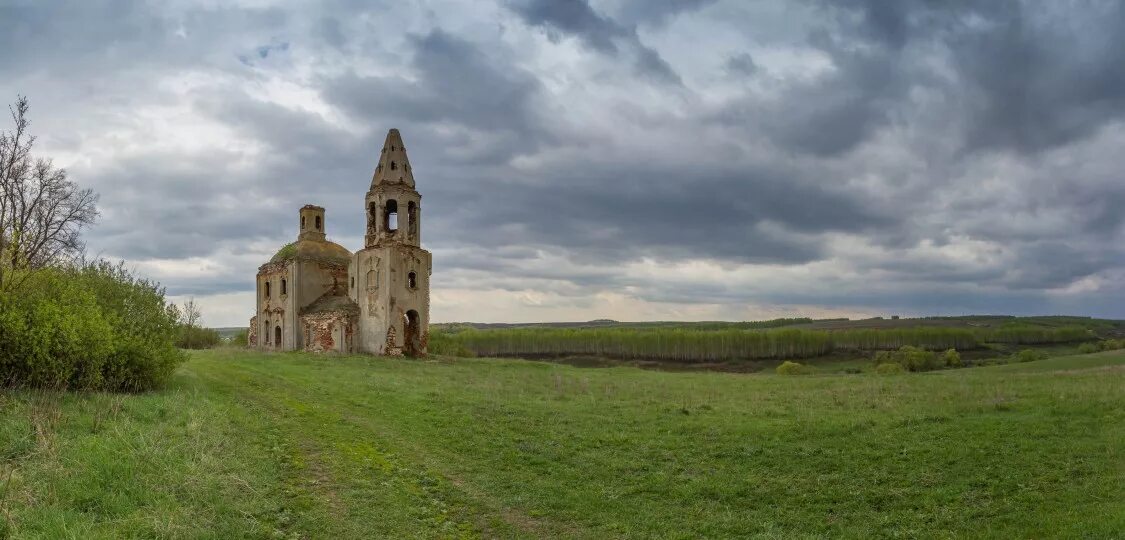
x,y
299,446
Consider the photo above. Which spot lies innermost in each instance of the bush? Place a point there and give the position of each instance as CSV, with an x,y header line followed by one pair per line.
x,y
1087,348
889,368
1028,355
915,359
1111,344
240,338
95,327
952,358
195,337
910,358
52,334
793,368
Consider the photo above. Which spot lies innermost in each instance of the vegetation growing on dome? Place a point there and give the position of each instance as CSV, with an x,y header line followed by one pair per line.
x,y
288,251
313,250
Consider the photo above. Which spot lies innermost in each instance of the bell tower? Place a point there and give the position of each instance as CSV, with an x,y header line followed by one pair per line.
x,y
390,277
394,207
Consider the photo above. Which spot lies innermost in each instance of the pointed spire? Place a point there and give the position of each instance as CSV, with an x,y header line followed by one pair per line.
x,y
394,166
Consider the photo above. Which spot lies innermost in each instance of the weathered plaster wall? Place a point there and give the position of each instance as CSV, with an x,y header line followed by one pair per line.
x,y
276,308
305,282
381,289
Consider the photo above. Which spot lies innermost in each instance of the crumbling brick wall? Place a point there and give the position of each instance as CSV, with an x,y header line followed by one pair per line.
x,y
252,334
391,348
320,329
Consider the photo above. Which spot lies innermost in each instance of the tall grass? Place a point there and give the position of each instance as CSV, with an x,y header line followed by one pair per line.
x,y
694,345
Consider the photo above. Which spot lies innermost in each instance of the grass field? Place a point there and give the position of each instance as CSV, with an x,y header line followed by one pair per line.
x,y
299,446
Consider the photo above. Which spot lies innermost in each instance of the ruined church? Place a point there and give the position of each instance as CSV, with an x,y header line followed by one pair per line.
x,y
315,295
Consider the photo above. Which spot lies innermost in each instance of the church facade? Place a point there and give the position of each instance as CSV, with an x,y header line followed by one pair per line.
x,y
315,295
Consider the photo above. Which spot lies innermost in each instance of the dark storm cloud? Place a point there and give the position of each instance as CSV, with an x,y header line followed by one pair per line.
x,y
456,84
67,40
577,18
742,64
966,148
614,214
658,12
1032,76
1045,82
839,111
574,17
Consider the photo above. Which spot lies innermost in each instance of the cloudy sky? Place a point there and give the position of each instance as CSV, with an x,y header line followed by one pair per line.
x,y
629,159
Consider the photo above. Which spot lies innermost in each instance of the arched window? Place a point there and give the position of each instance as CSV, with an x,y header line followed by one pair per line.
x,y
353,282
390,216
318,223
393,166
266,332
277,336
283,288
412,281
267,289
302,222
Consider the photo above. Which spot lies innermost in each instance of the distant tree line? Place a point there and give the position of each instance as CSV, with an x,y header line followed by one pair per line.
x,y
690,345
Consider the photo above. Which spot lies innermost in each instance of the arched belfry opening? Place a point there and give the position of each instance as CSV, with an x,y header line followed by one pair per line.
x,y
390,216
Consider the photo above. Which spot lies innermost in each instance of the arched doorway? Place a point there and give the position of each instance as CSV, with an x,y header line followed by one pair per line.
x,y
277,336
412,336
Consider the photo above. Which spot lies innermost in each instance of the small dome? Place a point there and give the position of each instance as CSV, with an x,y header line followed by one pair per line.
x,y
314,250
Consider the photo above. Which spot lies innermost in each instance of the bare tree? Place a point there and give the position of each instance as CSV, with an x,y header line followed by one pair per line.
x,y
189,316
42,213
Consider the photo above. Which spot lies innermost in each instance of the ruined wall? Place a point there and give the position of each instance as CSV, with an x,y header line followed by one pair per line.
x,y
328,332
380,282
305,281
319,278
275,309
408,216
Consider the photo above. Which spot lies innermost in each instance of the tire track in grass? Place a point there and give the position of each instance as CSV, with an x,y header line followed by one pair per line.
x,y
491,516
361,477
486,519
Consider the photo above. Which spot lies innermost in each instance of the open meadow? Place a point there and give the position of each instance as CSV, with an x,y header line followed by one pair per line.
x,y
248,444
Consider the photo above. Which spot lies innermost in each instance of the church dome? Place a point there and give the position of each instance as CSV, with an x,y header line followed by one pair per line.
x,y
313,250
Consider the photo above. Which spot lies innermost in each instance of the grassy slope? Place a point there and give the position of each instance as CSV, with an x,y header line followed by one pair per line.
x,y
289,445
